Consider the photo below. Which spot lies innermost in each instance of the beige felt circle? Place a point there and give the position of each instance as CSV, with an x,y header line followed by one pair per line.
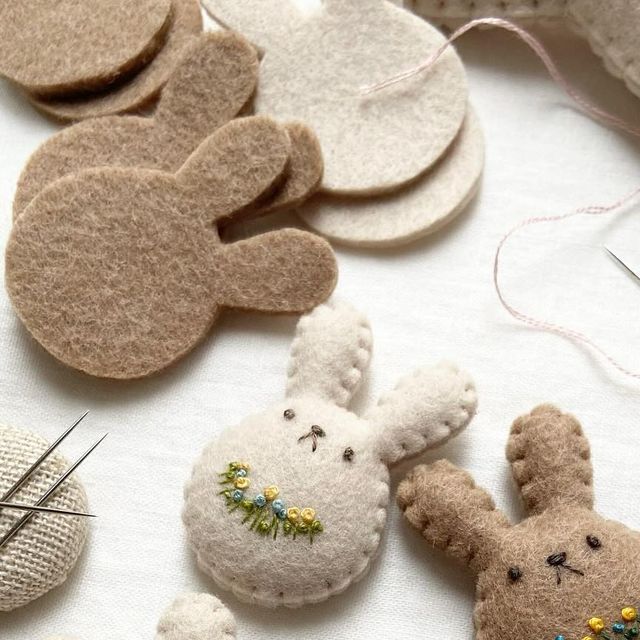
x,y
314,72
77,45
43,553
139,90
416,210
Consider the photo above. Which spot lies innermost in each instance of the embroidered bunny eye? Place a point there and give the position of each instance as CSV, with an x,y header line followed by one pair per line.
x,y
289,414
594,542
348,454
514,574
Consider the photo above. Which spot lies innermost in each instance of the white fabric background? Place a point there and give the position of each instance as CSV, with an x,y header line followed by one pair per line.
x,y
430,300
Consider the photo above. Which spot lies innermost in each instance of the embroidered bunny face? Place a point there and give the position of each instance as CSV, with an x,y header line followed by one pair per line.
x,y
288,507
564,572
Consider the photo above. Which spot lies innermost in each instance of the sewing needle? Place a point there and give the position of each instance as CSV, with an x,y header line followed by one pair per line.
x,y
622,264
34,467
52,489
27,507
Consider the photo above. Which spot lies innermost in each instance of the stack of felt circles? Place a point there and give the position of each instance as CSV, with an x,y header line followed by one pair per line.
x,y
76,60
400,162
45,550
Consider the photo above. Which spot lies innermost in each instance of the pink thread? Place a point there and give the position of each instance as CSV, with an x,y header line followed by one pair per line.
x,y
587,107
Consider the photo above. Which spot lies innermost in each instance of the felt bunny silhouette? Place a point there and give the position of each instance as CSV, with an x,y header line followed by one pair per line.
x,y
120,272
212,84
315,64
194,616
288,507
612,28
564,572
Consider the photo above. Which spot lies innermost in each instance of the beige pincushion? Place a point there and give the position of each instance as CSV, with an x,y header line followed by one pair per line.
x,y
43,553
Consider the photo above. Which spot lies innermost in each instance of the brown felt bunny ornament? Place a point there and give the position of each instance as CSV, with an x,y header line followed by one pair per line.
x,y
563,573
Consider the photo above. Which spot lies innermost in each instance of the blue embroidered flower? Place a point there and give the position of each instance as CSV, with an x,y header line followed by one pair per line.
x,y
241,473
260,500
282,514
618,627
238,495
277,505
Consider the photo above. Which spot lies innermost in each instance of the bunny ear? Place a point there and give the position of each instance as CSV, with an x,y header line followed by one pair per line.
x,y
549,458
197,616
285,271
424,411
264,22
213,82
331,350
452,513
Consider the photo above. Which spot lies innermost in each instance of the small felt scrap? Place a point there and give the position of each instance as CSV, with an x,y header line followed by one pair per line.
x,y
612,28
194,616
213,82
43,553
121,272
67,46
315,65
137,91
564,572
288,507
418,209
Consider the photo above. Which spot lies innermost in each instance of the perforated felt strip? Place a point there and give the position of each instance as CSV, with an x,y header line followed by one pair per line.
x,y
211,84
66,46
142,88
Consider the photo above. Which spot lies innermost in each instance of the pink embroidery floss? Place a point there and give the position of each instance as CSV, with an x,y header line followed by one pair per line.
x,y
585,106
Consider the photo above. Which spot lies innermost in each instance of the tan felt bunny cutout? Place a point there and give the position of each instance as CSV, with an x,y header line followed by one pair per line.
x,y
612,27
563,573
288,507
211,85
314,66
193,616
68,46
139,90
120,272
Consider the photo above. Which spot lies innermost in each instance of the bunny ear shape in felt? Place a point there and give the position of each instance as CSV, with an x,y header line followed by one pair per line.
x,y
286,271
142,88
423,411
331,350
209,87
115,271
443,503
549,458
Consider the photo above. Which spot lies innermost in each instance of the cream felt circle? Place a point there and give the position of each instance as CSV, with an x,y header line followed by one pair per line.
x,y
323,551
43,553
314,70
420,208
69,46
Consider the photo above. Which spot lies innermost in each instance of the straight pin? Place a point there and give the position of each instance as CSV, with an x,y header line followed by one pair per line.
x,y
27,507
34,467
52,489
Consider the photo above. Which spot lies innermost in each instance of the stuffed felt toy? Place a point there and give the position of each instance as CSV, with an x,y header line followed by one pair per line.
x,y
193,616
564,572
611,27
288,507
119,272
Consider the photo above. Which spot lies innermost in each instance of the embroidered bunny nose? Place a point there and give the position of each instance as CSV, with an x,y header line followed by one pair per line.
x,y
315,433
557,559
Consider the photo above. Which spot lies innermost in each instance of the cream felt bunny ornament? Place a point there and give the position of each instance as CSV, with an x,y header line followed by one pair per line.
x,y
288,507
564,572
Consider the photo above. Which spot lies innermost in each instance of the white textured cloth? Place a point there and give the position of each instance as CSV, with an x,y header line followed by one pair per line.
x,y
427,301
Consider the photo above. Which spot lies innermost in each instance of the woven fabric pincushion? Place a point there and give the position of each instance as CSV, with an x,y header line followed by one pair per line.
x,y
43,553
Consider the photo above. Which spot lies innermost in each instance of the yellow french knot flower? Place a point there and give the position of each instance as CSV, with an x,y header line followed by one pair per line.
x,y
271,493
587,638
596,624
293,514
308,515
242,483
629,614
242,465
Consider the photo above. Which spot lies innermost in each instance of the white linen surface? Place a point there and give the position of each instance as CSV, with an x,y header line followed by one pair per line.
x,y
431,300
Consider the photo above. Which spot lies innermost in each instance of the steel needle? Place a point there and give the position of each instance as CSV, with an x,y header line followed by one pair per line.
x,y
622,264
27,507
